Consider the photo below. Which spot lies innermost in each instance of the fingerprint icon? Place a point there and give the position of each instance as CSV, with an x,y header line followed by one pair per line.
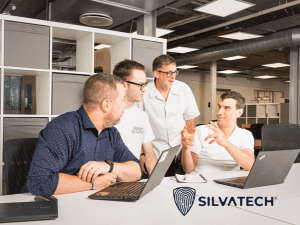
x,y
184,198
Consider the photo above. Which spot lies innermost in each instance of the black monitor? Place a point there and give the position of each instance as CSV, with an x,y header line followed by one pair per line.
x,y
281,137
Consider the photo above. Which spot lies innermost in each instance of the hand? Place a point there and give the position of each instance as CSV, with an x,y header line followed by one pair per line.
x,y
187,138
142,160
104,180
218,135
91,170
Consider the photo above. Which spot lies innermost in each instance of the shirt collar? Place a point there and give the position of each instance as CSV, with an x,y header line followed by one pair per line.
x,y
155,93
88,124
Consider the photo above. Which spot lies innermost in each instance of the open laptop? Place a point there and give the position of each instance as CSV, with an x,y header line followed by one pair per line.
x,y
132,191
269,168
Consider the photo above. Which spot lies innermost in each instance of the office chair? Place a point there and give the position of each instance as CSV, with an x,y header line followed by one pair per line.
x,y
17,157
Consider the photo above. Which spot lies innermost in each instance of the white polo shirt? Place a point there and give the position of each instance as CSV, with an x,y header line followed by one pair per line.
x,y
135,129
167,118
215,158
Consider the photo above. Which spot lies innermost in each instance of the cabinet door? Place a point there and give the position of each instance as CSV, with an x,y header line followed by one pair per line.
x,y
145,52
26,45
67,92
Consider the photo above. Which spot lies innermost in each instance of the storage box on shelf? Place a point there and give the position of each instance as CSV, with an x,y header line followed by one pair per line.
x,y
42,83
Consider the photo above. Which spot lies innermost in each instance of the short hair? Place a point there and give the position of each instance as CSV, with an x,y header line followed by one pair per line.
x,y
99,87
162,60
124,68
240,100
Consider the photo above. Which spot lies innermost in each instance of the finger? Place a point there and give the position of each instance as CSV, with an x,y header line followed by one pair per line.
x,y
82,169
85,173
209,137
97,173
92,174
215,124
212,141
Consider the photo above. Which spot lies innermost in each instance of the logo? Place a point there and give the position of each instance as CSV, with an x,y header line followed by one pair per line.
x,y
184,198
138,130
262,157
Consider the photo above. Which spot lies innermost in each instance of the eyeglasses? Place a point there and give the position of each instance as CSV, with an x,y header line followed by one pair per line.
x,y
141,85
169,74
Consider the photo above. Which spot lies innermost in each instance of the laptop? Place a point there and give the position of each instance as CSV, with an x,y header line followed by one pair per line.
x,y
269,168
132,191
27,211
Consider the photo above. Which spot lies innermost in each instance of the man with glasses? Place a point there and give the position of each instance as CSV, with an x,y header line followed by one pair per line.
x,y
134,127
170,105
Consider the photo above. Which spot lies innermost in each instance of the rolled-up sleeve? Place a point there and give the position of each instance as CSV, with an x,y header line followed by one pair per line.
x,y
48,159
191,110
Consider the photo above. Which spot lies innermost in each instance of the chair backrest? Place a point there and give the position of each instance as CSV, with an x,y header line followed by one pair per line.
x,y
17,158
281,137
256,130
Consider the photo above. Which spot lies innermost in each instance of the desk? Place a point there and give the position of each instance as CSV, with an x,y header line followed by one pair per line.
x,y
158,207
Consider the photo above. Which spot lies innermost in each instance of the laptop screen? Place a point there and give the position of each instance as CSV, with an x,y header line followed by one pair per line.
x,y
281,137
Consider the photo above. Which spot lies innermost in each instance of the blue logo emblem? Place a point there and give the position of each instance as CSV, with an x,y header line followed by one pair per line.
x,y
184,198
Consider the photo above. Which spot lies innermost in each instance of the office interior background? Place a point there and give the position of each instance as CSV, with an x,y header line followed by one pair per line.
x,y
45,64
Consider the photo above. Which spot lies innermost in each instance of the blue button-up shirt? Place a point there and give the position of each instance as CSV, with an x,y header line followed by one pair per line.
x,y
68,142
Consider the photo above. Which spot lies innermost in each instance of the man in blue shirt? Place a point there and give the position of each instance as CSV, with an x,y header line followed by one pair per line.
x,y
80,150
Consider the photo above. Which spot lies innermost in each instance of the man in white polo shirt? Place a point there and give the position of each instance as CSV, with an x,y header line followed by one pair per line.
x,y
222,145
134,126
170,105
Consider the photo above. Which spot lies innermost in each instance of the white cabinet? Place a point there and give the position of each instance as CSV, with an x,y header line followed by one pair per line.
x,y
44,91
266,113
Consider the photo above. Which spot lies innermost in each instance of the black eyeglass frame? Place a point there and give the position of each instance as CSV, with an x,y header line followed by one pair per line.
x,y
141,85
169,74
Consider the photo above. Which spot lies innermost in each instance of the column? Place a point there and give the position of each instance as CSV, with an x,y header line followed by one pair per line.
x,y
146,24
213,83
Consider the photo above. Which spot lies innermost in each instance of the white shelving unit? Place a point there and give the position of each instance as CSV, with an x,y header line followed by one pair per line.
x,y
266,113
85,38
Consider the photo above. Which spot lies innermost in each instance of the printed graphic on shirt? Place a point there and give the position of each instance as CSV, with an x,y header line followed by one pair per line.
x,y
138,130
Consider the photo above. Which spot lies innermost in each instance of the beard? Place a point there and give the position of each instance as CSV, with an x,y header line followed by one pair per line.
x,y
110,121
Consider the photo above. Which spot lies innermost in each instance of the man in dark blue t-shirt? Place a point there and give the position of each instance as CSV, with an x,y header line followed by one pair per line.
x,y
80,150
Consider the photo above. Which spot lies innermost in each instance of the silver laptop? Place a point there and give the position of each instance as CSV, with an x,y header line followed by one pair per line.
x,y
132,191
269,168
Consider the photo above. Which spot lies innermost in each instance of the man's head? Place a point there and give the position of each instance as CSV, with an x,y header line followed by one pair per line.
x,y
134,75
164,70
105,93
230,107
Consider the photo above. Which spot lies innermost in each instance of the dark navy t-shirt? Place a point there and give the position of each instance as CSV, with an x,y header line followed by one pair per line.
x,y
68,142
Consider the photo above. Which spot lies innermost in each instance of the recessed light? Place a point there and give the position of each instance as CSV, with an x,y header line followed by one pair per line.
x,y
102,46
276,65
224,7
288,81
229,71
235,57
159,32
182,49
241,36
186,67
265,77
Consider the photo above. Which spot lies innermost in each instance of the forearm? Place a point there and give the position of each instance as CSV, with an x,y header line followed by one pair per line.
x,y
127,171
245,160
190,125
150,157
71,183
187,162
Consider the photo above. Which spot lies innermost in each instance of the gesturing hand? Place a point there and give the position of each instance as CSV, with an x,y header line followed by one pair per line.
x,y
91,170
187,138
104,180
218,135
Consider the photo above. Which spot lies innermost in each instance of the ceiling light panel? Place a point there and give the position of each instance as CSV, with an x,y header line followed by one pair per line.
x,y
102,46
241,36
182,49
224,7
229,71
186,67
235,58
276,65
265,77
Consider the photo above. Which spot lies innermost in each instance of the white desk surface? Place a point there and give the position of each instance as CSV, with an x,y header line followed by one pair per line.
x,y
158,206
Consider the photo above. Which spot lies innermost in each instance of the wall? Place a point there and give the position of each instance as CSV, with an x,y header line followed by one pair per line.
x,y
199,82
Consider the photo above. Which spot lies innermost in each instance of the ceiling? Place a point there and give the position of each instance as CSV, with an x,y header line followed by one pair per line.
x,y
192,28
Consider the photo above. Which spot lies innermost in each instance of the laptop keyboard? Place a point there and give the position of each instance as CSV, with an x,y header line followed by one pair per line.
x,y
132,189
